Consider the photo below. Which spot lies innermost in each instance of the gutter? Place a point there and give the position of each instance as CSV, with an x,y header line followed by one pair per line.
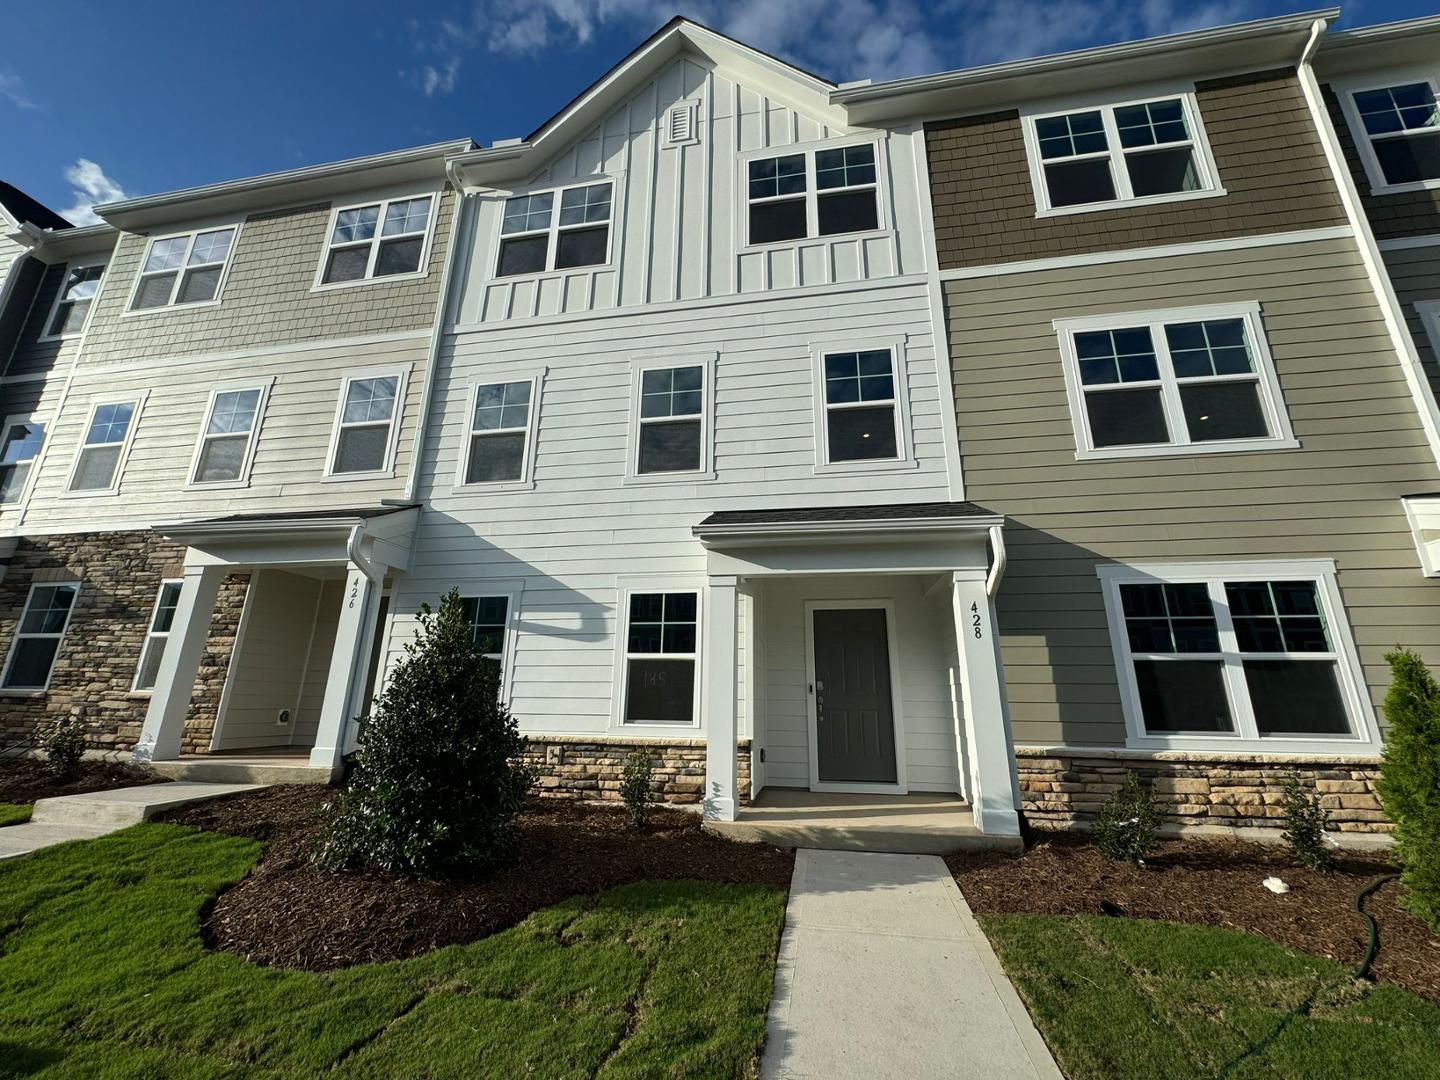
x,y
352,552
778,529
997,567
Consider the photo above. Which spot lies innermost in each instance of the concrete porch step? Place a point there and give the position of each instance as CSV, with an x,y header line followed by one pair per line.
x,y
109,810
261,769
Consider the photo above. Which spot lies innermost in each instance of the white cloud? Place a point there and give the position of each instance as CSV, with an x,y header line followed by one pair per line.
x,y
12,88
440,80
90,187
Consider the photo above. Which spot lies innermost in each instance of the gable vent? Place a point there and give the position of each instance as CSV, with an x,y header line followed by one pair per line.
x,y
680,124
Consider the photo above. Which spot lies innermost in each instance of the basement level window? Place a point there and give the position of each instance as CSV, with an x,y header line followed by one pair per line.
x,y
661,646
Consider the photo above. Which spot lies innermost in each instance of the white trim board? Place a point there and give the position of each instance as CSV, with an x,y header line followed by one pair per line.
x,y
1406,243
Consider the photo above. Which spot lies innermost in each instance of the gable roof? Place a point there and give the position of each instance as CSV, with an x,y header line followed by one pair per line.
x,y
21,208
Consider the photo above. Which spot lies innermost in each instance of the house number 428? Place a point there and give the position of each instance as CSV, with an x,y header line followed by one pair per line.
x,y
975,622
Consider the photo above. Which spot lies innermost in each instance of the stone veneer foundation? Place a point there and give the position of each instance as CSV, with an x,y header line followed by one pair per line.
x,y
590,766
1064,787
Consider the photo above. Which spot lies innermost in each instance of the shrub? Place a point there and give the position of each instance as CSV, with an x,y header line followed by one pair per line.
x,y
1410,780
1128,822
435,787
64,747
1305,822
635,786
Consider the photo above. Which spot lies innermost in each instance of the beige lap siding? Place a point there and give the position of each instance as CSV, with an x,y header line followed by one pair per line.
x,y
1338,496
119,575
592,767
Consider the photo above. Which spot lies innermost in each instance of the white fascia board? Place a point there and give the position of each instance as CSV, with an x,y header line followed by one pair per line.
x,y
769,532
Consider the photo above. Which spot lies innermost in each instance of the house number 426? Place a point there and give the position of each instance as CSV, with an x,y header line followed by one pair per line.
x,y
975,622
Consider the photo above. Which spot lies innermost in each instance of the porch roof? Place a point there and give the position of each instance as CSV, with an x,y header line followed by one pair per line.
x,y
927,516
302,537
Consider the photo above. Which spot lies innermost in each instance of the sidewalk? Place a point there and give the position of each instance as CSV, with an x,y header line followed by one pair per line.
x,y
884,972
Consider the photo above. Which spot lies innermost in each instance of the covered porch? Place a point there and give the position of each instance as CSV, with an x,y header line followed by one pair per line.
x,y
302,667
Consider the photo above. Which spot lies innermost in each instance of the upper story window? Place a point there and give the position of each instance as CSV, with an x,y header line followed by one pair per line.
x,y
38,637
1186,381
535,238
500,433
227,440
671,420
1144,151
861,417
72,303
1399,133
183,269
20,444
815,192
381,239
107,438
365,426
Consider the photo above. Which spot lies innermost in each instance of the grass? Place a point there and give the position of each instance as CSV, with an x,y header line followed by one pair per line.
x,y
14,813
1123,998
103,975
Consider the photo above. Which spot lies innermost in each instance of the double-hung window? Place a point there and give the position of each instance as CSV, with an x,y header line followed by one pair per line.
x,y
20,444
1116,154
661,646
1249,652
498,446
815,192
107,438
672,420
489,620
862,419
37,640
72,303
535,238
365,426
183,269
228,438
1189,380
380,239
162,617
1400,132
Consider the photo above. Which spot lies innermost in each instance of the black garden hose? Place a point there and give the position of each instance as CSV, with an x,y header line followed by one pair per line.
x,y
1363,971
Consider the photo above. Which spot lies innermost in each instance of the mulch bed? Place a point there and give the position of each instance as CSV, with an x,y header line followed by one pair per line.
x,y
23,780
289,913
1216,883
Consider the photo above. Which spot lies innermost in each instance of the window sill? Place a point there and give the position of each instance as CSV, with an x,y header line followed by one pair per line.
x,y
107,493
885,466
1398,189
345,478
540,275
1320,747
493,487
219,485
642,479
1240,446
785,245
24,693
655,730
1129,204
330,286
169,309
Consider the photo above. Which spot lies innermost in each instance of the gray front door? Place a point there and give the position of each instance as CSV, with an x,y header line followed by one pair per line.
x,y
854,719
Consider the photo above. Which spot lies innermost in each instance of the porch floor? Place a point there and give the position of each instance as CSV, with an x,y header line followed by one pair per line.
x,y
919,824
264,765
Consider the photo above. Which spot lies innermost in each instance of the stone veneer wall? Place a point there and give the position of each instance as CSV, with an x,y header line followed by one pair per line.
x,y
119,575
590,766
1063,788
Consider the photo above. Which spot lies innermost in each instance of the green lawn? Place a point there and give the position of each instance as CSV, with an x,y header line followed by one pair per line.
x,y
103,974
1123,998
14,813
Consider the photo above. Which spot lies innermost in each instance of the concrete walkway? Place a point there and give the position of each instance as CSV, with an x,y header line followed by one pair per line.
x,y
884,972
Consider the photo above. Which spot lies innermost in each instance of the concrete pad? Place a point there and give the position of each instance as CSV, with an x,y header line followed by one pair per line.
x,y
883,972
127,806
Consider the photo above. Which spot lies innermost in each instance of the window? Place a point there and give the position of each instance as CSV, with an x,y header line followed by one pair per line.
x,y
672,421
1091,158
365,426
533,238
107,436
226,442
20,444
861,419
784,204
500,429
37,641
379,240
1197,379
72,303
489,619
183,269
660,650
1230,651
1401,129
161,618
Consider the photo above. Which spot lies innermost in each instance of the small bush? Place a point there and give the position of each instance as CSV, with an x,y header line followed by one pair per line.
x,y
635,786
1127,824
1410,780
64,747
1305,823
436,786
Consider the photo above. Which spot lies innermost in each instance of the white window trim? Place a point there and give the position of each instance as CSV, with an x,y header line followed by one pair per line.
x,y
18,691
138,400
1247,739
428,238
74,264
883,226
626,586
615,179
1210,185
401,375
526,481
647,362
513,590
1346,89
151,634
243,480
5,428
170,308
1272,401
904,435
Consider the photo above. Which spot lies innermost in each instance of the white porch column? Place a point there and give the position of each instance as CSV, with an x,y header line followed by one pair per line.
x,y
993,782
179,664
721,796
348,660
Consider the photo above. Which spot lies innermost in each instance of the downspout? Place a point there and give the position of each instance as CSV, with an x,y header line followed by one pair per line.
x,y
365,566
998,561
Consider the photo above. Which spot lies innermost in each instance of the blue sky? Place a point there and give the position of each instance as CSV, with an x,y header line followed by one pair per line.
x,y
95,107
